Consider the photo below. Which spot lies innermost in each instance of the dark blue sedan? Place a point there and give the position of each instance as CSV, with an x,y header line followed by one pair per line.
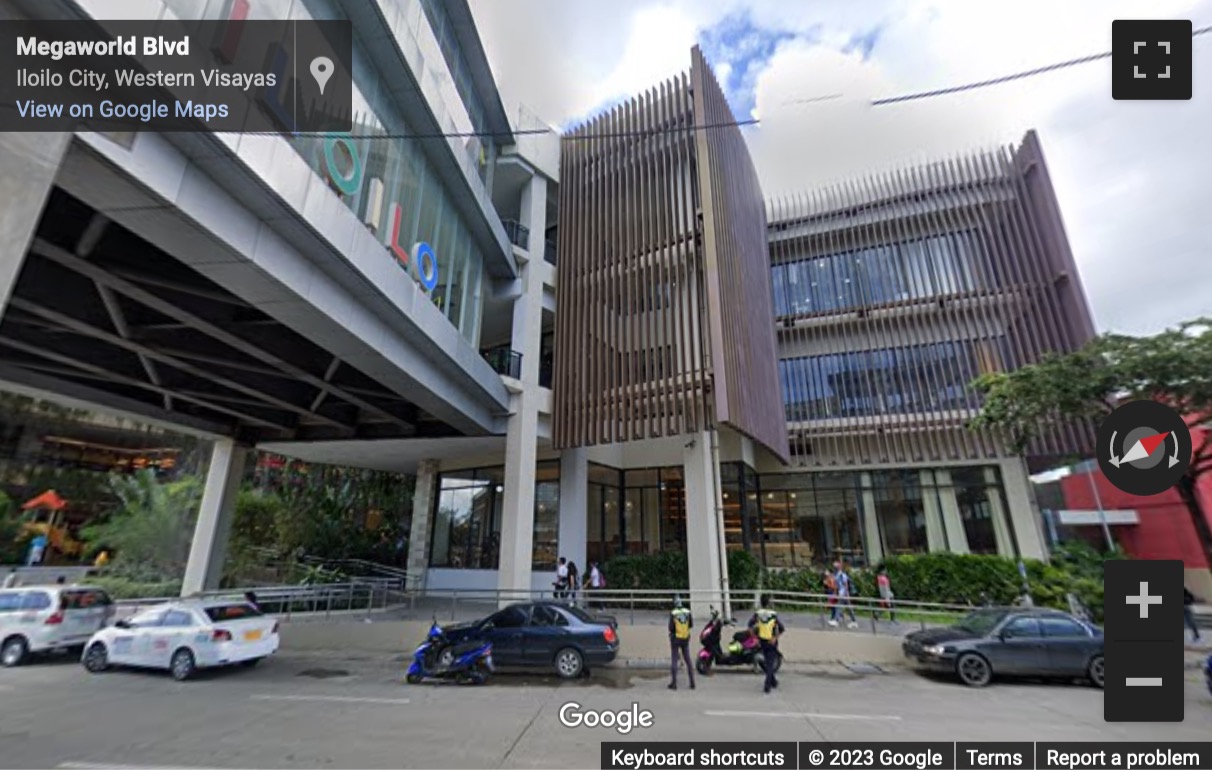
x,y
544,635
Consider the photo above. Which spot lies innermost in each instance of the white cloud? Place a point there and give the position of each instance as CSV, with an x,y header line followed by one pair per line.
x,y
1131,176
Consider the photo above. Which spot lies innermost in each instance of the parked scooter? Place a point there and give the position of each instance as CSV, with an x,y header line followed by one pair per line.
x,y
438,658
743,650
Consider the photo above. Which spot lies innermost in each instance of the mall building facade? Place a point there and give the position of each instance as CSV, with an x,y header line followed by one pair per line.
x,y
786,377
585,346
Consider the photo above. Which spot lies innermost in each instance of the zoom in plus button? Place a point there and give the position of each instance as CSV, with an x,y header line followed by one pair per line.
x,y
1143,600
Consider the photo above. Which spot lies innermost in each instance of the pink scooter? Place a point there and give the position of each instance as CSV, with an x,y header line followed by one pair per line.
x,y
743,650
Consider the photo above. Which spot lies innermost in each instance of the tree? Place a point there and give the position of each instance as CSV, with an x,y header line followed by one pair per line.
x,y
12,545
151,530
1174,367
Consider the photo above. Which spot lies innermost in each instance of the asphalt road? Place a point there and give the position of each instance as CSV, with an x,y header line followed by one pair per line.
x,y
319,711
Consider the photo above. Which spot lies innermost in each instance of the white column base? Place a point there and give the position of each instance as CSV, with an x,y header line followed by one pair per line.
x,y
871,525
208,551
703,538
574,519
517,514
953,522
423,495
1023,513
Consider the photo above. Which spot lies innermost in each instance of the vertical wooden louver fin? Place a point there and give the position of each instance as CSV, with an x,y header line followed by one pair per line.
x,y
739,306
631,360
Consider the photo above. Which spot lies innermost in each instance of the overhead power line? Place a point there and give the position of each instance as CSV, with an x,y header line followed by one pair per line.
x,y
748,122
1009,78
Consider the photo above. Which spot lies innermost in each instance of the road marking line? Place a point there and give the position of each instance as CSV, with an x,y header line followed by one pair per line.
x,y
332,699
125,766
804,715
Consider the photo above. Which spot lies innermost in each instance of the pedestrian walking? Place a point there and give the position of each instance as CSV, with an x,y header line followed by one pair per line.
x,y
841,579
680,623
885,589
574,581
597,581
561,583
831,595
11,579
766,624
1189,613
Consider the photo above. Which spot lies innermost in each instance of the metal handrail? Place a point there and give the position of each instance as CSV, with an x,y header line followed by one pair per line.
x,y
518,233
631,600
359,596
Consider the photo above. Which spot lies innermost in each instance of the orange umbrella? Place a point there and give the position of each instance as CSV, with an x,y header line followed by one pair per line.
x,y
48,499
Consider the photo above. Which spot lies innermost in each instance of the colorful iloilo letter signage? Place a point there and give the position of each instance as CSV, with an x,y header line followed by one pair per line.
x,y
346,174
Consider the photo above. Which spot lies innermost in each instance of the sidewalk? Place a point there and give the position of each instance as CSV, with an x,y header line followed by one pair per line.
x,y
447,611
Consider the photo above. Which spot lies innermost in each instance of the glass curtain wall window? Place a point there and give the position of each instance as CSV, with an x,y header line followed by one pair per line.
x,y
370,172
814,519
977,497
939,265
634,512
909,380
481,148
467,518
742,528
546,546
603,512
811,520
900,511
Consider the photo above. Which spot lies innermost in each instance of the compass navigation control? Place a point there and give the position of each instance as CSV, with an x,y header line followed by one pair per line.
x,y
1144,447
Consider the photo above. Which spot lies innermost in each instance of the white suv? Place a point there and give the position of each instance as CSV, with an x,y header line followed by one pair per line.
x,y
38,619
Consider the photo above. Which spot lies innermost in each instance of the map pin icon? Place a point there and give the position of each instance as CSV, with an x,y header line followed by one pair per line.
x,y
321,70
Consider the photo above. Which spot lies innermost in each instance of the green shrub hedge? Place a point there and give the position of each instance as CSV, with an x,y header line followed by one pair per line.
x,y
945,578
669,571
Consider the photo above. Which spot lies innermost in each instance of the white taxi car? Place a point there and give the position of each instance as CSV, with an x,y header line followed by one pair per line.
x,y
185,636
38,619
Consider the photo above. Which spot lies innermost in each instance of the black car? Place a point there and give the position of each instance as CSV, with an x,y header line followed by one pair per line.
x,y
1011,642
544,635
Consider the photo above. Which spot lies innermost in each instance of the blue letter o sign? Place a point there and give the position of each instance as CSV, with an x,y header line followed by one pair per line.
x,y
425,265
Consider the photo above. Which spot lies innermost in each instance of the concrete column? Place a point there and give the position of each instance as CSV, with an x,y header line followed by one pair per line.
x,y
528,307
533,213
208,551
703,537
423,495
953,523
28,164
871,524
1024,515
517,515
574,492
522,433
936,535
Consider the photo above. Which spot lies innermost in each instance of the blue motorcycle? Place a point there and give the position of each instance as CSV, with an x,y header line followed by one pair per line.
x,y
437,658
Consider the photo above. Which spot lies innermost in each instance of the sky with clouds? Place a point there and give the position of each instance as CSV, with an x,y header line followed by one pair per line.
x,y
1134,178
